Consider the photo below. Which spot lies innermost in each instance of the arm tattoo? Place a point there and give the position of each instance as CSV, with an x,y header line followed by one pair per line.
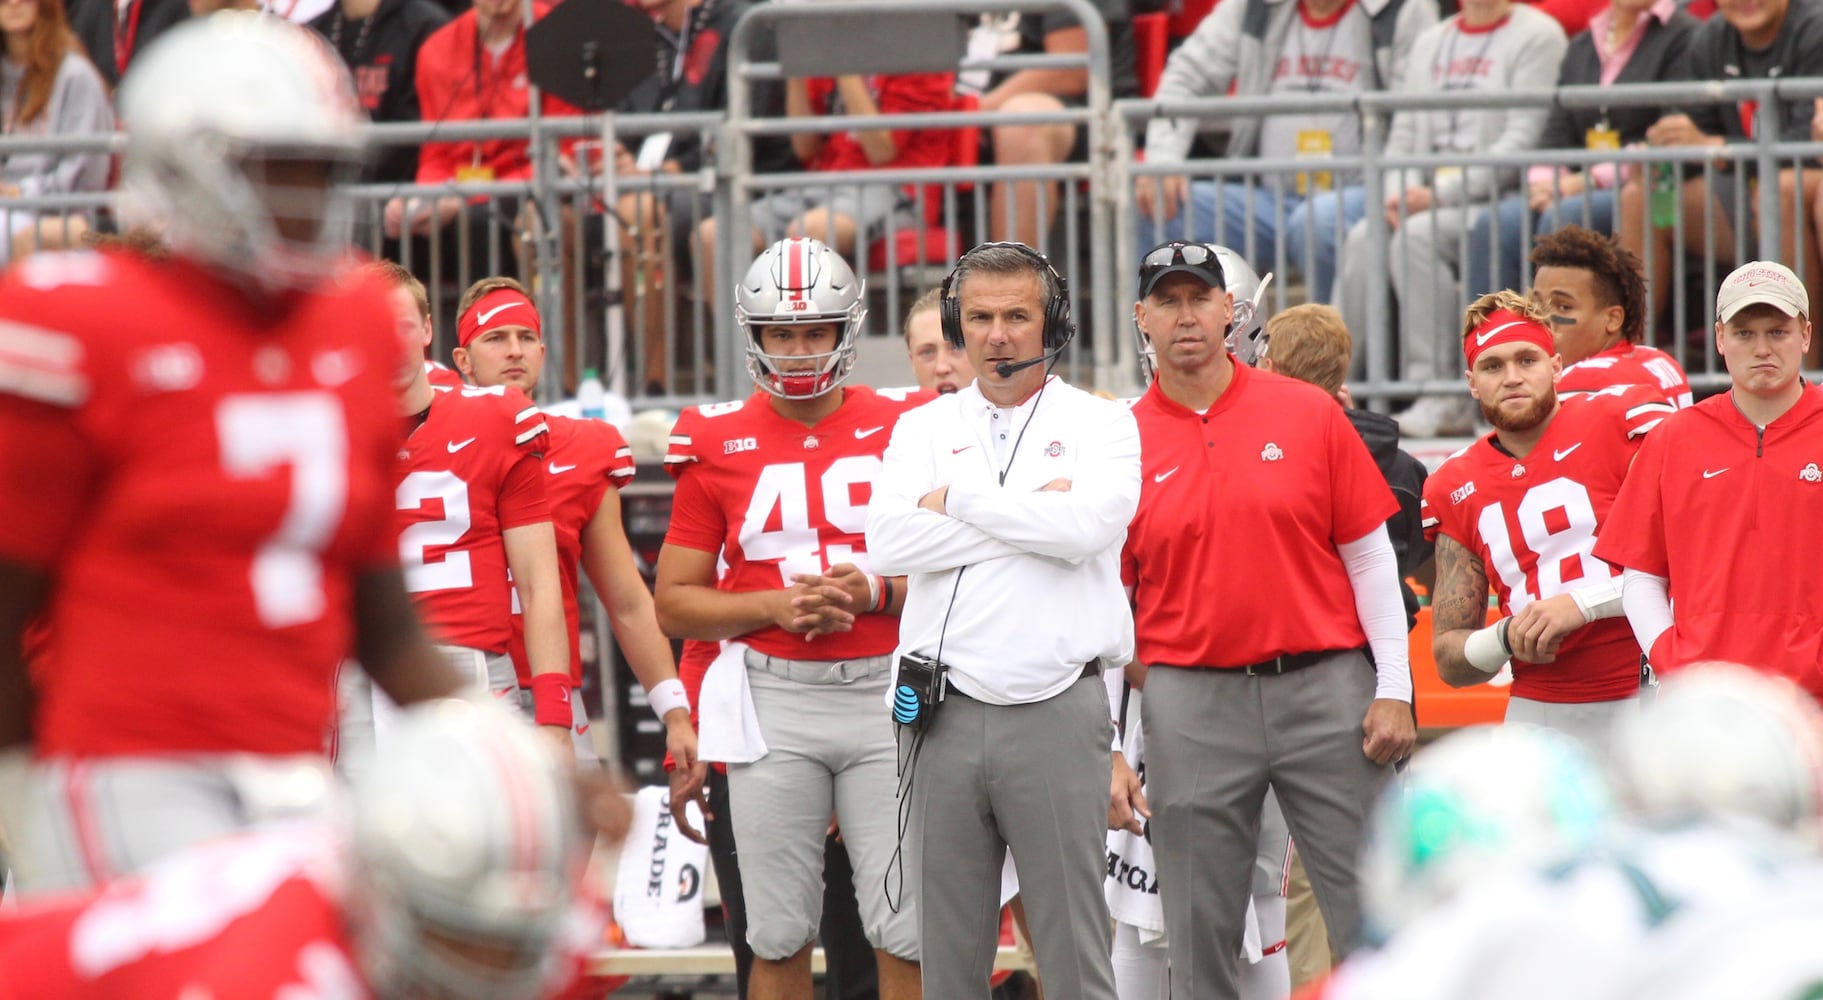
x,y
1460,600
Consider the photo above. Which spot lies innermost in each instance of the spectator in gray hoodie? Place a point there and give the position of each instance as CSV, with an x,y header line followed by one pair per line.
x,y
47,87
1277,47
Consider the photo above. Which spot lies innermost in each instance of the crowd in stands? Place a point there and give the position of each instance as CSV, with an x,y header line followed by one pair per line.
x,y
1453,233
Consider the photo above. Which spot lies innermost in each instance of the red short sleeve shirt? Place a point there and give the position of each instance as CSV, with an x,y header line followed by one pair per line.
x,y
1629,364
203,482
470,471
1532,522
583,460
1729,513
1232,556
776,498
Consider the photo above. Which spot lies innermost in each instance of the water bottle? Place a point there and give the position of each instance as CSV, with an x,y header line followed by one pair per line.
x,y
592,396
1665,183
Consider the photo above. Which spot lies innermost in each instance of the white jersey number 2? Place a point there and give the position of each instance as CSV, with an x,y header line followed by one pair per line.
x,y
452,572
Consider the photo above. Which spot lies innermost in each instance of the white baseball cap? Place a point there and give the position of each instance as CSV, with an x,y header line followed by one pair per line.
x,y
1761,282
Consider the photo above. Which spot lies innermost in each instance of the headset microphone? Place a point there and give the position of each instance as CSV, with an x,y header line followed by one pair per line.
x,y
1005,369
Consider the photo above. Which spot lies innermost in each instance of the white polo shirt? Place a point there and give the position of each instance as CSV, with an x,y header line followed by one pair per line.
x,y
1039,594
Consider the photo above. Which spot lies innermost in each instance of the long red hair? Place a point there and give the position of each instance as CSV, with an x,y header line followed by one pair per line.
x,y
51,41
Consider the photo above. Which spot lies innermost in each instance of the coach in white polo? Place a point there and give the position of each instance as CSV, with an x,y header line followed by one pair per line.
x,y
1006,504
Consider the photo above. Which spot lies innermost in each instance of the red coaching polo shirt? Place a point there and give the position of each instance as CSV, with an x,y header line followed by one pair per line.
x,y
1734,517
1232,556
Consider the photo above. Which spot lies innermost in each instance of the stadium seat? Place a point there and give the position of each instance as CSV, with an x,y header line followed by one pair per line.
x,y
1151,38
932,244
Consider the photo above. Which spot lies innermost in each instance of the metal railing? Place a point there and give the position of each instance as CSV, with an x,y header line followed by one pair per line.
x,y
612,290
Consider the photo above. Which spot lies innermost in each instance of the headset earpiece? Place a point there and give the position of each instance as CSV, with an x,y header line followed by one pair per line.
x,y
1058,327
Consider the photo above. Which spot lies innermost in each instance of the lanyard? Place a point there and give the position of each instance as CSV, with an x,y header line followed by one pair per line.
x,y
1442,77
493,87
361,37
1314,82
123,43
673,75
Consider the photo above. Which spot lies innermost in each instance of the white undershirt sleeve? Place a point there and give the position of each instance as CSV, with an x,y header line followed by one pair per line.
x,y
1373,571
1647,599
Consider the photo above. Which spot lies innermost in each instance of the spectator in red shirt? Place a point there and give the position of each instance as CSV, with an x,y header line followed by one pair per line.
x,y
839,215
472,68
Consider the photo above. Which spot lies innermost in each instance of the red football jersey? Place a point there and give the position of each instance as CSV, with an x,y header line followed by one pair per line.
x,y
204,481
469,472
1629,364
1730,514
1232,555
1532,523
250,917
583,459
439,375
776,498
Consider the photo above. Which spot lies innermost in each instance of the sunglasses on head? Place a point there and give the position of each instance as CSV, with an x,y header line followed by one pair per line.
x,y
1173,254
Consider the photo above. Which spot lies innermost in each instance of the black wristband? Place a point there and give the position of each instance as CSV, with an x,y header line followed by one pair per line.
x,y
1505,624
886,584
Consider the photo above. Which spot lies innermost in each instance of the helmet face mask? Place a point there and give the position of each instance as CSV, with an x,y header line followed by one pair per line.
x,y
242,132
800,282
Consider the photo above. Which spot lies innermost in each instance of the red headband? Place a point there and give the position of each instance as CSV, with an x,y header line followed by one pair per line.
x,y
498,308
1504,326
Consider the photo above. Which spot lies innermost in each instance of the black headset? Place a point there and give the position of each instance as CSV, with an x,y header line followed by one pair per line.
x,y
1058,329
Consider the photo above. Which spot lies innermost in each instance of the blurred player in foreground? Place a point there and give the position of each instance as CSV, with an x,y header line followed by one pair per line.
x,y
196,462
452,874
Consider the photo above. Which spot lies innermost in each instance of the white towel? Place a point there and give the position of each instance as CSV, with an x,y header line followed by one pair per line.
x,y
729,728
1132,887
658,885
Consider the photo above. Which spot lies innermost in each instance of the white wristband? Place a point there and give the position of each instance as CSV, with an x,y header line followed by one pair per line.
x,y
1486,650
667,695
1599,600
873,591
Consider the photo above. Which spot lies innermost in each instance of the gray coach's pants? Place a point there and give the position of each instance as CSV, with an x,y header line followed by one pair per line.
x,y
1033,778
1214,740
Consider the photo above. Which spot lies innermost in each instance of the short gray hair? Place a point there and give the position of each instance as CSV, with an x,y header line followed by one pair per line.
x,y
1007,258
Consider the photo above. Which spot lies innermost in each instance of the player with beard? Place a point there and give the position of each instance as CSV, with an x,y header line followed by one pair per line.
x,y
1527,501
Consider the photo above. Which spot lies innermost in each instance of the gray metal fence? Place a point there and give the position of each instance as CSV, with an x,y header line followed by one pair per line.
x,y
635,299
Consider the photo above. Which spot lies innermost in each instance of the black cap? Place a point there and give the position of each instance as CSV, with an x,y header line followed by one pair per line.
x,y
1180,257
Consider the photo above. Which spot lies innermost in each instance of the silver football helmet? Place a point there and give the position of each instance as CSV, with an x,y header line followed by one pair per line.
x,y
792,282
1246,326
241,131
466,847
1482,799
1723,740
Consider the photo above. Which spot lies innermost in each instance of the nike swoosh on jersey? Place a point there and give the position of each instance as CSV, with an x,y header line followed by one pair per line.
x,y
1561,455
456,446
558,470
958,451
491,313
862,435
1161,477
1711,475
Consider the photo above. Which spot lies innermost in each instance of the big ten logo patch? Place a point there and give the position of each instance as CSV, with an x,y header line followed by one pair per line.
x,y
734,445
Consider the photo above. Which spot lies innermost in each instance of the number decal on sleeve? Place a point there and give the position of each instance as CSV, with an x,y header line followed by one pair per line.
x,y
452,572
305,431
